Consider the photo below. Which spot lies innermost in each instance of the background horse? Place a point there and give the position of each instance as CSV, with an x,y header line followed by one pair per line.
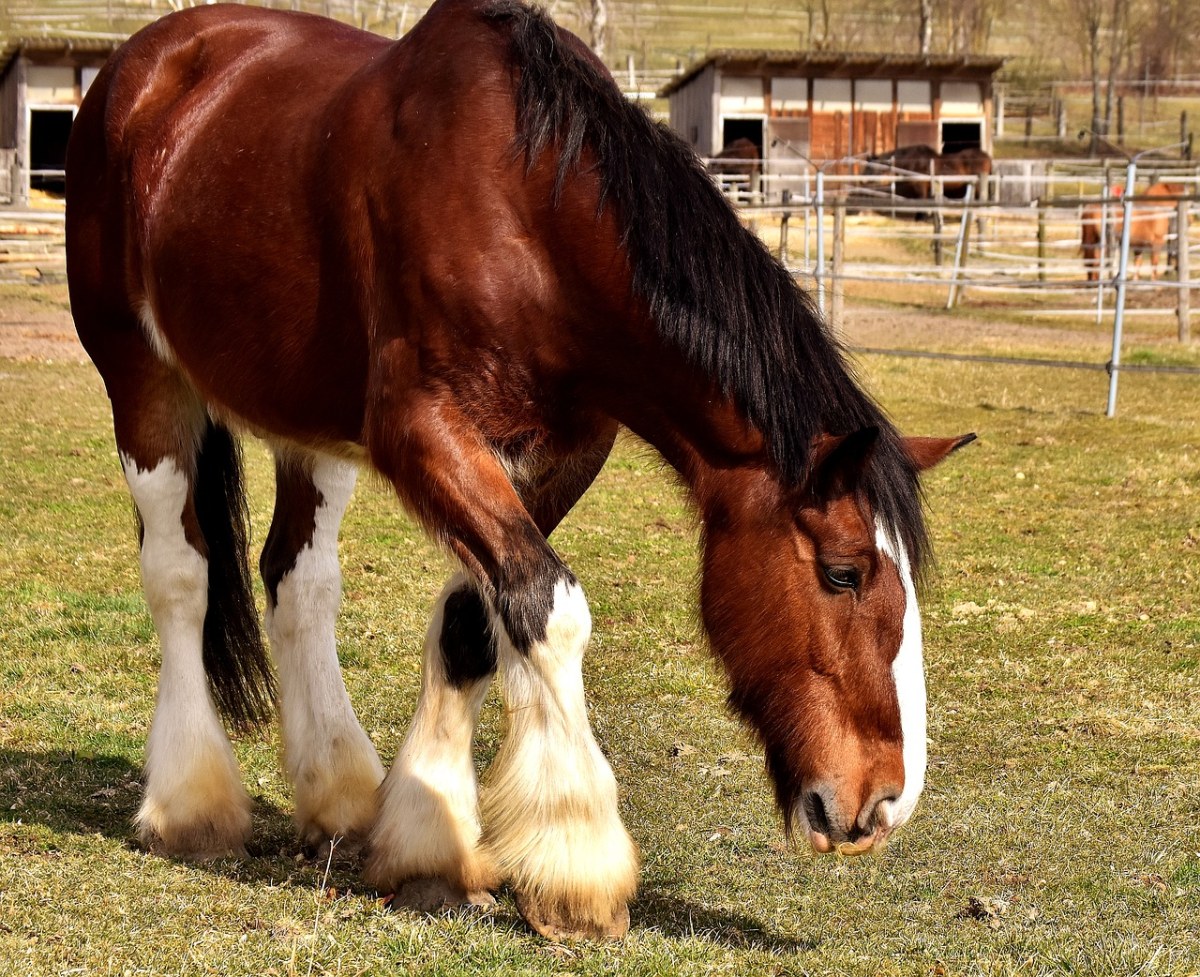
x,y
739,159
965,164
1149,228
968,164
464,259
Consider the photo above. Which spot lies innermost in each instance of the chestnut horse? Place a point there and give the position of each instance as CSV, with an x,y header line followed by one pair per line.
x,y
463,259
1149,227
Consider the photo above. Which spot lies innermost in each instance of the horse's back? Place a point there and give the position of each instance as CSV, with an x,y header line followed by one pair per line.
x,y
216,191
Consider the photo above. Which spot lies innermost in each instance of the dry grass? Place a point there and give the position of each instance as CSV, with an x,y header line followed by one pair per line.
x,y
1057,835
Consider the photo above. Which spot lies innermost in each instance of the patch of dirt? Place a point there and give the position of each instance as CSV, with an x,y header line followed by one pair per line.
x,y
35,324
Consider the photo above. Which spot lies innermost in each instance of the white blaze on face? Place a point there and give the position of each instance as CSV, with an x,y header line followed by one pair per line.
x,y
908,671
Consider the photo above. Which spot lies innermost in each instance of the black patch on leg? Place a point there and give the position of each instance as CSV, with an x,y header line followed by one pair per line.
x,y
468,647
525,593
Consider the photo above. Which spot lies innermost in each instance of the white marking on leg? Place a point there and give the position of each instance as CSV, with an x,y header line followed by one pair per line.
x,y
908,671
550,811
428,825
194,803
330,760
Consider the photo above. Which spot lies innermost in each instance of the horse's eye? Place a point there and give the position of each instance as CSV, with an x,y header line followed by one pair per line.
x,y
843,578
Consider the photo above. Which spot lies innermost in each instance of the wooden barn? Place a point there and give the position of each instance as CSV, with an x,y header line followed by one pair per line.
x,y
825,105
42,82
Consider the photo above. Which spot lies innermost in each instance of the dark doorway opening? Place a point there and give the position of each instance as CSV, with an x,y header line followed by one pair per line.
x,y
957,136
49,130
735,129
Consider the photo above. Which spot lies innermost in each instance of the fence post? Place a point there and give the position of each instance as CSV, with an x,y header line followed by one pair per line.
x,y
960,249
1183,269
783,227
1041,241
939,227
821,241
1114,364
839,250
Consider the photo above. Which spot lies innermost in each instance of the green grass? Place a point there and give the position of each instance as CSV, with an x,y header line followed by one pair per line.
x,y
1057,834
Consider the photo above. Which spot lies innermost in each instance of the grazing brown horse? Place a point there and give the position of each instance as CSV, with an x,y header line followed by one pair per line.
x,y
740,158
964,164
1149,227
463,259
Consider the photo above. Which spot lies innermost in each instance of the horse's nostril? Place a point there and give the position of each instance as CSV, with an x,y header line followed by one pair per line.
x,y
879,813
814,809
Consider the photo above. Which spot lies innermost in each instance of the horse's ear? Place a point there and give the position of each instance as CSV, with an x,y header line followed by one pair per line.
x,y
838,462
924,453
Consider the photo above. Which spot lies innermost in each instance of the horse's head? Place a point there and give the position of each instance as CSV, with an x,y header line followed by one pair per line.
x,y
809,600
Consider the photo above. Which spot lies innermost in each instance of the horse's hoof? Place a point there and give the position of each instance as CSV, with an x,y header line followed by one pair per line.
x,y
200,846
321,848
561,928
432,895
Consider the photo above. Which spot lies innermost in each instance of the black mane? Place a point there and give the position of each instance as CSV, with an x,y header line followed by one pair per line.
x,y
715,292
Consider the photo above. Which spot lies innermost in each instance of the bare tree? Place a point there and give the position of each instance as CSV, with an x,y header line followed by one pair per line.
x,y
817,41
1087,16
925,27
1118,44
597,24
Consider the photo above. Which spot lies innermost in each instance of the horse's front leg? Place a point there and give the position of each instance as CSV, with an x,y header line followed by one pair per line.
x,y
550,820
332,764
550,811
425,845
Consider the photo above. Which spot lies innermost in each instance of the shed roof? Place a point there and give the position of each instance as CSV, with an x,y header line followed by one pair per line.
x,y
60,44
847,63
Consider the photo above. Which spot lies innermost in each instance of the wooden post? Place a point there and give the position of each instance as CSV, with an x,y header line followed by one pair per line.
x,y
839,253
1182,266
1041,241
1062,119
783,227
1121,120
938,227
20,188
1028,124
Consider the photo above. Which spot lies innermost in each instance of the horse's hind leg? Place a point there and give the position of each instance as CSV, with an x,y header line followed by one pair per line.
x,y
184,474
331,762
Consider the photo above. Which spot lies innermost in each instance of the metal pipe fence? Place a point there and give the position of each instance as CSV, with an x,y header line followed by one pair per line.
x,y
1026,253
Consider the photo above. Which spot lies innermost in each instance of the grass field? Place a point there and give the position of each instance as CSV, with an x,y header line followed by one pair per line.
x,y
1059,833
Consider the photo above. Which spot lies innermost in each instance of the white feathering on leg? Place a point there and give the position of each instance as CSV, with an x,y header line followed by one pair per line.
x,y
329,759
550,809
428,826
194,803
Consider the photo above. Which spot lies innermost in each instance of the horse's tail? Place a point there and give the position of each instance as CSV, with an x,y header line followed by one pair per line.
x,y
235,659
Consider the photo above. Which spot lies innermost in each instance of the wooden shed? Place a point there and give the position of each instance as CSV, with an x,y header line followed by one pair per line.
x,y
42,82
825,105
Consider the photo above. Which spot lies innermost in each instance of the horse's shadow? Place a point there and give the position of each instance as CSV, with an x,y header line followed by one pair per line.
x,y
87,795
84,794
679,918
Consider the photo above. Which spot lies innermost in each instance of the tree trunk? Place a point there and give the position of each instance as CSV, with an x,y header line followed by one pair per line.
x,y
598,26
925,34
